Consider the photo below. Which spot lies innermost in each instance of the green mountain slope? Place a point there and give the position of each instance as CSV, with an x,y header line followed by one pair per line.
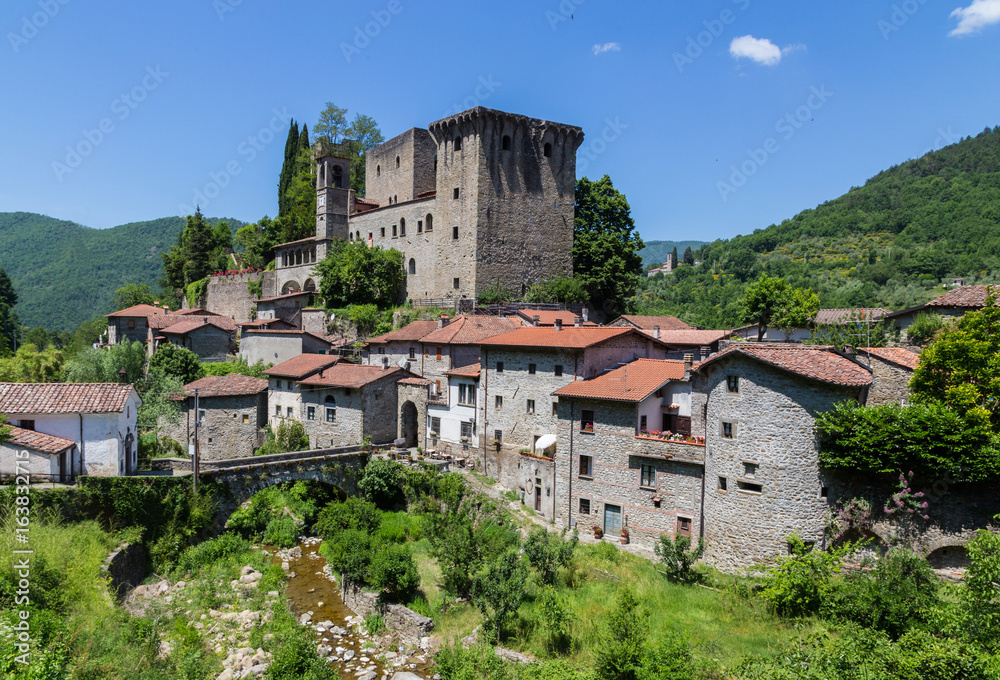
x,y
65,273
893,242
655,253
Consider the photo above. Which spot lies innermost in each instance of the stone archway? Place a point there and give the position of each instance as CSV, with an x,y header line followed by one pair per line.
x,y
309,286
290,287
408,423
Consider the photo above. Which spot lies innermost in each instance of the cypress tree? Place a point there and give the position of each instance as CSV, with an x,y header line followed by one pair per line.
x,y
304,137
198,246
287,171
673,257
688,256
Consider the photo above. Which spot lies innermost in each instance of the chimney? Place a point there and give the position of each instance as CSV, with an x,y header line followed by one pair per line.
x,y
534,320
585,319
656,335
558,323
443,321
688,362
577,321
848,351
166,310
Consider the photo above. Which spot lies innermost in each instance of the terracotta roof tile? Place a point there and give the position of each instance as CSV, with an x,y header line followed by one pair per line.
x,y
413,331
185,327
842,316
897,355
965,296
569,337
166,321
195,311
470,371
230,385
471,329
549,317
302,366
265,324
28,398
816,362
415,381
350,375
138,310
37,441
366,201
691,337
634,381
666,323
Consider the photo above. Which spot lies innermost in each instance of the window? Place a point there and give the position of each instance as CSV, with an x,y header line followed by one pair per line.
x,y
498,403
289,411
587,421
454,233
499,367
531,369
723,484
385,362
684,526
394,230
733,384
201,415
439,353
382,232
467,431
750,470
467,394
437,387
131,323
277,384
555,408
430,222
397,161
27,425
586,466
749,487
647,476
277,410
435,426
728,429
824,492
454,193
505,144
413,352
246,418
338,177
642,424
310,413
455,283
420,226
331,415
584,506
531,407
402,227
413,266
458,144
381,350
558,371
498,436
378,170
547,150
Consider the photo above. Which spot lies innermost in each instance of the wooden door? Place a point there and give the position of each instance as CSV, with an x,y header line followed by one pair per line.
x,y
538,495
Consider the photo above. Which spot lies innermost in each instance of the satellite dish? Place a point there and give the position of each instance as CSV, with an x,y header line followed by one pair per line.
x,y
402,362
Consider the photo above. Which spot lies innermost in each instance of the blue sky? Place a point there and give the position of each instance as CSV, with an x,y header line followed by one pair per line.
x,y
714,118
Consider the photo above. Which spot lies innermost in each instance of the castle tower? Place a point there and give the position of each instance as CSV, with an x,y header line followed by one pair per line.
x,y
333,182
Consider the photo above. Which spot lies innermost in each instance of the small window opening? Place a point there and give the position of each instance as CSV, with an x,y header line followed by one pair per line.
x,y
458,144
547,150
506,143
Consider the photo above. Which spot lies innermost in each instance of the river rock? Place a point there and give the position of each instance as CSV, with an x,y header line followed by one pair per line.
x,y
370,675
259,669
511,655
348,655
305,619
406,675
227,674
295,553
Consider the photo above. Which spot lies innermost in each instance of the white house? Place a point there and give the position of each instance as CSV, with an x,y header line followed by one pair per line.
x,y
71,428
451,416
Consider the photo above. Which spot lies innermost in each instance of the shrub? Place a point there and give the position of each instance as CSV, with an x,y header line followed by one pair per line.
x,y
621,646
924,327
799,583
546,552
678,557
394,571
350,553
499,591
226,546
556,619
281,532
296,659
980,601
178,362
382,483
374,624
353,513
365,317
667,658
250,521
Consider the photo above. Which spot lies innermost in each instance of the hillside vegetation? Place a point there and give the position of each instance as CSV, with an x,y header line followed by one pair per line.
x,y
655,252
891,243
65,273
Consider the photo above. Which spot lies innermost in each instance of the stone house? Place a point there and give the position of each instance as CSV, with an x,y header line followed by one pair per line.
x,y
521,370
132,323
762,476
98,418
892,368
212,338
953,304
648,323
274,346
400,347
479,198
153,325
284,398
43,457
232,410
614,468
455,342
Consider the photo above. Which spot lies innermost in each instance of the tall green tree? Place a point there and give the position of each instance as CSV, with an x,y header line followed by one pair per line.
x,y
606,245
255,242
354,274
285,178
8,296
133,294
199,243
332,124
200,250
673,257
771,301
688,257
178,362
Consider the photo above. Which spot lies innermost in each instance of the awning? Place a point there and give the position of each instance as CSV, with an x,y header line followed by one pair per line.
x,y
546,441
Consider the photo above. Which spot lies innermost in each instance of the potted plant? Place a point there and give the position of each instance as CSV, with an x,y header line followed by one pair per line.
x,y
598,532
496,443
624,536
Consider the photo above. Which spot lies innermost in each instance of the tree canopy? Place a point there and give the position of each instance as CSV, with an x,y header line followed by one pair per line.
x,y
770,301
133,294
178,362
354,274
200,250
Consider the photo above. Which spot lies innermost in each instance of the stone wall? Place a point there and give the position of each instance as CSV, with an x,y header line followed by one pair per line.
x,y
125,568
617,455
771,464
230,296
891,382
413,175
408,624
369,410
229,428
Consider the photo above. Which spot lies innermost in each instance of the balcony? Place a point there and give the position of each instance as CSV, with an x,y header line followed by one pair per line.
x,y
658,436
439,399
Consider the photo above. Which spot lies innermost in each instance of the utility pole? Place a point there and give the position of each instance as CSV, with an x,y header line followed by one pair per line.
x,y
197,425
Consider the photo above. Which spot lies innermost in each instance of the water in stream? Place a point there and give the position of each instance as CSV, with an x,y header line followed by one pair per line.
x,y
315,600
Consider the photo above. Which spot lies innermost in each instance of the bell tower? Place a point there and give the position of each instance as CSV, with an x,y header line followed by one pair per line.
x,y
333,175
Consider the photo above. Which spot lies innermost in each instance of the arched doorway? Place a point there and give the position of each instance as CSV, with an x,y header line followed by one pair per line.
x,y
408,424
290,287
310,286
130,461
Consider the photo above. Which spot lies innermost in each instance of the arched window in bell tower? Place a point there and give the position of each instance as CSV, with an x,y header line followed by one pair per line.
x,y
338,177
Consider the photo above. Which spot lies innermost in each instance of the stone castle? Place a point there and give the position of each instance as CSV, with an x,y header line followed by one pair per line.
x,y
479,199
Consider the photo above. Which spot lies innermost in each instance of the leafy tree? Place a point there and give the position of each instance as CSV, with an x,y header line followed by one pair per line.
x,y
354,274
362,135
557,618
606,245
133,294
160,403
10,325
557,289
771,301
8,296
981,596
394,571
924,327
799,583
291,436
499,592
622,643
352,513
494,294
29,365
688,257
256,242
299,220
364,317
741,263
856,332
200,250
239,366
673,257
547,552
382,482
178,362
106,365
798,311
678,557
332,124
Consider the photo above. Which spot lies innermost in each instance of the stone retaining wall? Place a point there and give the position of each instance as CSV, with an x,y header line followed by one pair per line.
x,y
126,568
410,625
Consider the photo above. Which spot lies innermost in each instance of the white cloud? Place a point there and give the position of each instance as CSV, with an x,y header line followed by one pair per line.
x,y
975,17
792,48
761,50
607,47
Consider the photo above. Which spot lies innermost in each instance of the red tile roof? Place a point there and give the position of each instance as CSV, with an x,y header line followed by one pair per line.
x,y
199,312
302,366
634,381
470,371
569,337
230,385
693,337
366,201
830,317
28,398
549,317
470,329
415,381
965,296
666,323
897,355
185,327
161,322
265,324
36,441
411,332
138,310
816,362
351,375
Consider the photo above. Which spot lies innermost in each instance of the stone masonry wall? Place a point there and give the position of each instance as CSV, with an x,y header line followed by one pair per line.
x,y
771,464
230,296
125,568
891,382
417,395
229,428
616,454
410,625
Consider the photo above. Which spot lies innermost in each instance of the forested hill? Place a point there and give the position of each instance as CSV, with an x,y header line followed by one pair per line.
x,y
65,273
891,243
655,253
